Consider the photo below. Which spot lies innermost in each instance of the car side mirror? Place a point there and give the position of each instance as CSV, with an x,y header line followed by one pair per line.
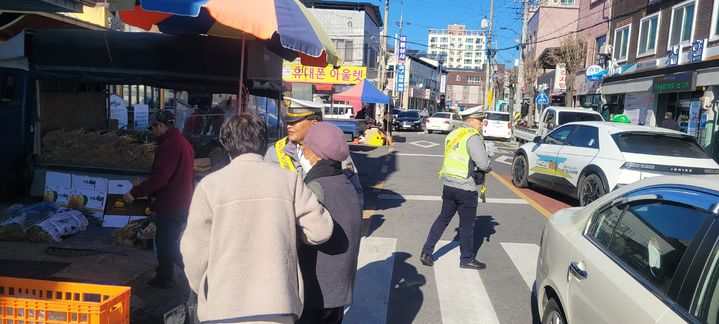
x,y
537,140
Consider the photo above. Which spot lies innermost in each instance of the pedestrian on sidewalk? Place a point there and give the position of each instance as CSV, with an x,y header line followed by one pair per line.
x,y
169,187
465,162
424,115
388,120
329,269
300,116
240,245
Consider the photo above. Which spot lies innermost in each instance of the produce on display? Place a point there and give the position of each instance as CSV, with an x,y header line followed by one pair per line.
x,y
42,222
105,149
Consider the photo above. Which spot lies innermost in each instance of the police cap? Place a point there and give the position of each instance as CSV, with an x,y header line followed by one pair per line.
x,y
474,112
298,109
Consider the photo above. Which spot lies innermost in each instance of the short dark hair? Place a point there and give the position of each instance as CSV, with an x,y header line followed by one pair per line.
x,y
245,133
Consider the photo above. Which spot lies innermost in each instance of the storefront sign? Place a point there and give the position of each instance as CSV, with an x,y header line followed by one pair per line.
x,y
637,105
697,50
594,73
292,72
560,78
399,80
694,118
680,82
674,54
443,83
402,49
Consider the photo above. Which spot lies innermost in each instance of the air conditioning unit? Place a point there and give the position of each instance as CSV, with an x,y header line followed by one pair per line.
x,y
605,49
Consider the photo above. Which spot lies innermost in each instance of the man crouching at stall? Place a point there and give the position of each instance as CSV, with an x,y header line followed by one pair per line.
x,y
169,187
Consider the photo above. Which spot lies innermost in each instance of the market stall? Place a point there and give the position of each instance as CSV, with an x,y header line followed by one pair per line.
x,y
64,97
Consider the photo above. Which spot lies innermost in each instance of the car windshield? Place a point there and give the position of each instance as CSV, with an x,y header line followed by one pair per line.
x,y
571,116
498,117
441,115
396,111
409,114
659,144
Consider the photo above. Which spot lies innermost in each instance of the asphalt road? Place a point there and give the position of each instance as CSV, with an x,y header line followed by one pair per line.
x,y
402,199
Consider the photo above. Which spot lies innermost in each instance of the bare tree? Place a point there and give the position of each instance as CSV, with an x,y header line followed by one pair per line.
x,y
572,54
532,70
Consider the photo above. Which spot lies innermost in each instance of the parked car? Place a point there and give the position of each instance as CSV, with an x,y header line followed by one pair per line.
x,y
553,117
443,122
497,125
647,253
338,111
586,160
408,119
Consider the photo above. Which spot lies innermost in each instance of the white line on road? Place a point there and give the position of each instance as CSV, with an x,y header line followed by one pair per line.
x,y
503,159
373,282
439,198
462,296
524,256
415,154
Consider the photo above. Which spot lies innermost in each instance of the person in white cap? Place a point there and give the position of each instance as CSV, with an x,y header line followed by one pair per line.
x,y
465,162
299,117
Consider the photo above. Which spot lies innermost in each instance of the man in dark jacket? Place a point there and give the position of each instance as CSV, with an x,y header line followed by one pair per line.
x,y
329,269
170,187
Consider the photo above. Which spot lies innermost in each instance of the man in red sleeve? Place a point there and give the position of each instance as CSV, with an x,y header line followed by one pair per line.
x,y
170,187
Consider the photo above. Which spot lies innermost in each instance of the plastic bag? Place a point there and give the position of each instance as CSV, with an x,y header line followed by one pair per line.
x,y
64,222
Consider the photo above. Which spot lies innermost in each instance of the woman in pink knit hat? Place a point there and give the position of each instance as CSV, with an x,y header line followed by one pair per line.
x,y
329,269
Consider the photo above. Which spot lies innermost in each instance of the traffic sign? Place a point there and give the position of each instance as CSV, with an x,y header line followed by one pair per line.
x,y
541,99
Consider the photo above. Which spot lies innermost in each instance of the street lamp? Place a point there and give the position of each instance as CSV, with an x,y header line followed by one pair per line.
x,y
512,30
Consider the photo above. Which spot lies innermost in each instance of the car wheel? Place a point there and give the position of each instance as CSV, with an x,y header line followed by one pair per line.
x,y
553,314
590,189
520,170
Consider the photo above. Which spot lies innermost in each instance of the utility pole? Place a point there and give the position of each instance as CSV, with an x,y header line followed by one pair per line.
x,y
488,64
383,55
519,92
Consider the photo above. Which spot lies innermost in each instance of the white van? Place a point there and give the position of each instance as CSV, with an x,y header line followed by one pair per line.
x,y
338,111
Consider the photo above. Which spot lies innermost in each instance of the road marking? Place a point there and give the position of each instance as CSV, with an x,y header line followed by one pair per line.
x,y
516,191
415,154
503,159
461,292
375,265
524,256
424,144
439,198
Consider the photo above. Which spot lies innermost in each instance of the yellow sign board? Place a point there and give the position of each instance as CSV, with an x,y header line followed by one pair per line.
x,y
292,72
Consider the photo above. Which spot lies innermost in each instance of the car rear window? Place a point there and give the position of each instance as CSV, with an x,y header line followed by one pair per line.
x,y
499,117
409,114
659,144
570,116
441,115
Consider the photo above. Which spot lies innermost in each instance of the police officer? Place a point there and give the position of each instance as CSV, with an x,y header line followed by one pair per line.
x,y
465,162
299,117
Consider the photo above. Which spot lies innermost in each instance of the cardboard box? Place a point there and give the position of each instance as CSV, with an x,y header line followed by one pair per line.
x,y
92,200
117,212
88,182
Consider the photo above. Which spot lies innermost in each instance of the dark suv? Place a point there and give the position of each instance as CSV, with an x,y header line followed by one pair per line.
x,y
408,119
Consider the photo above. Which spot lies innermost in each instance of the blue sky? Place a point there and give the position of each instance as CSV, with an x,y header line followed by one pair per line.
x,y
420,15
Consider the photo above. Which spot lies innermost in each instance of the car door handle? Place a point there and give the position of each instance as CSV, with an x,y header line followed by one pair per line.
x,y
578,270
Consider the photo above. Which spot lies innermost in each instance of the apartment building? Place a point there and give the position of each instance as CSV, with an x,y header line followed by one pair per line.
x,y
457,47
665,59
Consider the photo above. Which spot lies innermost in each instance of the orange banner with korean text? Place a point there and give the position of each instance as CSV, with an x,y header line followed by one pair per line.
x,y
294,72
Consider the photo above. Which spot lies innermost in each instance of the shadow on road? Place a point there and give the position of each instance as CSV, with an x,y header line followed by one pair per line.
x,y
405,292
483,229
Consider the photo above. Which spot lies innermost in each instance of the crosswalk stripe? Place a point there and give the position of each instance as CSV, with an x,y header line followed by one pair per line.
x,y
524,256
374,278
439,198
462,295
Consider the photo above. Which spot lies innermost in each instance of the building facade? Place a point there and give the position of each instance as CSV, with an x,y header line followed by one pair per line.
x,y
465,89
665,59
423,86
593,26
354,28
457,47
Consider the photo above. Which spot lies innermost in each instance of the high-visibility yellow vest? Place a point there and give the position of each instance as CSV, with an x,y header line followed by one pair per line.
x,y
456,155
284,159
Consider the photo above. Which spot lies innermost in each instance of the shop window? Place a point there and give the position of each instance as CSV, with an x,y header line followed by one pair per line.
x,y
681,29
621,42
648,35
